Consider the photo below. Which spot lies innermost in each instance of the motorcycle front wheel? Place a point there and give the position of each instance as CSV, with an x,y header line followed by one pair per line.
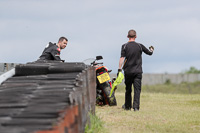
x,y
111,100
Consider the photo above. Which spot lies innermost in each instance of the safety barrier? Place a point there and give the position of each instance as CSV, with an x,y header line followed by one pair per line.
x,y
48,98
4,67
148,78
153,79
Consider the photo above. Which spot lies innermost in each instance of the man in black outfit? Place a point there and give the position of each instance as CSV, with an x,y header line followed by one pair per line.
x,y
52,50
131,55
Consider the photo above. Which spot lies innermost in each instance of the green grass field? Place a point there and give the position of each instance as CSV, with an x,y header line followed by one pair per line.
x,y
161,111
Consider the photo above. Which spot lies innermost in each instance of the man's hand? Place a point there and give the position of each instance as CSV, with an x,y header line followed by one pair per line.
x,y
151,48
119,70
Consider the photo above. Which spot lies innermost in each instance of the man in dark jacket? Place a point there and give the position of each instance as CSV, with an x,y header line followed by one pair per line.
x,y
52,50
131,55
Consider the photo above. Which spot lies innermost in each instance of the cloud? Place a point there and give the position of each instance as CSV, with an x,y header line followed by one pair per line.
x,y
100,28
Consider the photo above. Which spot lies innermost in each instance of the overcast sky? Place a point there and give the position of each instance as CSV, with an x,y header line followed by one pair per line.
x,y
100,28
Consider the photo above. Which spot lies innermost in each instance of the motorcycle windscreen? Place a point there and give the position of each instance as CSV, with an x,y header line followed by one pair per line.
x,y
103,78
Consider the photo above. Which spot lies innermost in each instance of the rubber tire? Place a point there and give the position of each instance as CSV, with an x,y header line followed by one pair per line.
x,y
111,100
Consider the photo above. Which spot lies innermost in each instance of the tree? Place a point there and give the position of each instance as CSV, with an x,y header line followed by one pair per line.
x,y
192,70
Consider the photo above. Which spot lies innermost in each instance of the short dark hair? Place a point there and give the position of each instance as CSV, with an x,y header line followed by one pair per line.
x,y
62,38
131,33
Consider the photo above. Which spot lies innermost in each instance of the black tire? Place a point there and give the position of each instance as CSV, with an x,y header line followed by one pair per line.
x,y
24,70
111,100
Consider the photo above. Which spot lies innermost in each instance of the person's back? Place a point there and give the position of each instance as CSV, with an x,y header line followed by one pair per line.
x,y
52,50
131,55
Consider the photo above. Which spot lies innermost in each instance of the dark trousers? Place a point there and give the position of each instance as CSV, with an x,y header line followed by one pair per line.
x,y
135,80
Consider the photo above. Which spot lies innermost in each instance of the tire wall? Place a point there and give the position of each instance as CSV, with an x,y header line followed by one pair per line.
x,y
48,98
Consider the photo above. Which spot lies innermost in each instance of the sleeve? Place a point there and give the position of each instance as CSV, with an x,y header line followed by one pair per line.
x,y
56,54
123,52
145,50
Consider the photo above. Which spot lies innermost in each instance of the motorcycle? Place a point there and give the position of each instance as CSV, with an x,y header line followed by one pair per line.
x,y
103,83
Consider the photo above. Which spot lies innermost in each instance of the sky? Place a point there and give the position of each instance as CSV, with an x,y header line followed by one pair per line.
x,y
100,28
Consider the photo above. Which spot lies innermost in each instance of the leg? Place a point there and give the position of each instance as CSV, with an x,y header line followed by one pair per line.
x,y
128,97
137,91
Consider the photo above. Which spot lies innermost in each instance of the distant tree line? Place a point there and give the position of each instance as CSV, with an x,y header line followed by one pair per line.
x,y
192,70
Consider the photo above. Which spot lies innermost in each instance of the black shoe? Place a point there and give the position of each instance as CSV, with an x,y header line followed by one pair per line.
x,y
123,106
136,109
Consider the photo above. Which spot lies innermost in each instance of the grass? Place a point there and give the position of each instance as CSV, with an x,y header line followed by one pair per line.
x,y
96,125
167,108
161,111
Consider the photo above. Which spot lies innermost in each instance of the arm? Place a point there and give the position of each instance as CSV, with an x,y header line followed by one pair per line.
x,y
123,55
56,54
121,60
147,51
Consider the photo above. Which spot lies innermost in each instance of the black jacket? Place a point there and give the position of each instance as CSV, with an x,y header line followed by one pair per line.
x,y
51,52
132,51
